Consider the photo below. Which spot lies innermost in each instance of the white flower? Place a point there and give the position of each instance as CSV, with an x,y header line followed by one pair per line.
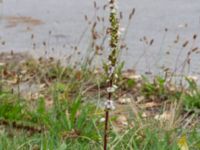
x,y
113,11
120,31
116,76
124,100
112,89
109,63
109,105
102,120
111,71
115,86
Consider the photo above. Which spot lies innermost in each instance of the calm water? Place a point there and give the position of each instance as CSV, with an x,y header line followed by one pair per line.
x,y
65,20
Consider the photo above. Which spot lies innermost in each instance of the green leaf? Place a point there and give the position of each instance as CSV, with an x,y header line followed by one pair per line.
x,y
74,109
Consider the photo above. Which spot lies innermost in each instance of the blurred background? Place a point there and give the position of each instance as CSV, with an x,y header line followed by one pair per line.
x,y
160,34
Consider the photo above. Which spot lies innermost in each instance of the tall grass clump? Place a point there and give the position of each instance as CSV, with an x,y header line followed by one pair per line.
x,y
110,67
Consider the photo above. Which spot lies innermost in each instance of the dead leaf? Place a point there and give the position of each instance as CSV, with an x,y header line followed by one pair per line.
x,y
122,120
131,75
164,116
149,105
140,99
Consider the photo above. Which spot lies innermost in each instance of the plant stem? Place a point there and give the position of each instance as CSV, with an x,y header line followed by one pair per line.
x,y
107,119
112,58
106,130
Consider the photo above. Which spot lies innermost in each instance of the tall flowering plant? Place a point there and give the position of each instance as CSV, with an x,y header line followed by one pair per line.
x,y
110,67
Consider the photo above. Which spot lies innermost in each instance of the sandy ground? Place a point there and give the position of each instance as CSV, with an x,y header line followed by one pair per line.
x,y
52,27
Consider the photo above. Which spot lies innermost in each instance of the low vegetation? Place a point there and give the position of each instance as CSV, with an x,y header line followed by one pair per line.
x,y
45,105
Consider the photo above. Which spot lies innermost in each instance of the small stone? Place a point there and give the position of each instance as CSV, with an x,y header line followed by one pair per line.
x,y
144,115
132,75
140,99
172,88
149,105
42,86
138,85
23,72
49,103
35,96
122,120
124,100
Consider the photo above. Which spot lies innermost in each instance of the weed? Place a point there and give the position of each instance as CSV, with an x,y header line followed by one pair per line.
x,y
191,99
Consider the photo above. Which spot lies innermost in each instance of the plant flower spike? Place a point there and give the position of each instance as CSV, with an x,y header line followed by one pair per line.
x,y
111,65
